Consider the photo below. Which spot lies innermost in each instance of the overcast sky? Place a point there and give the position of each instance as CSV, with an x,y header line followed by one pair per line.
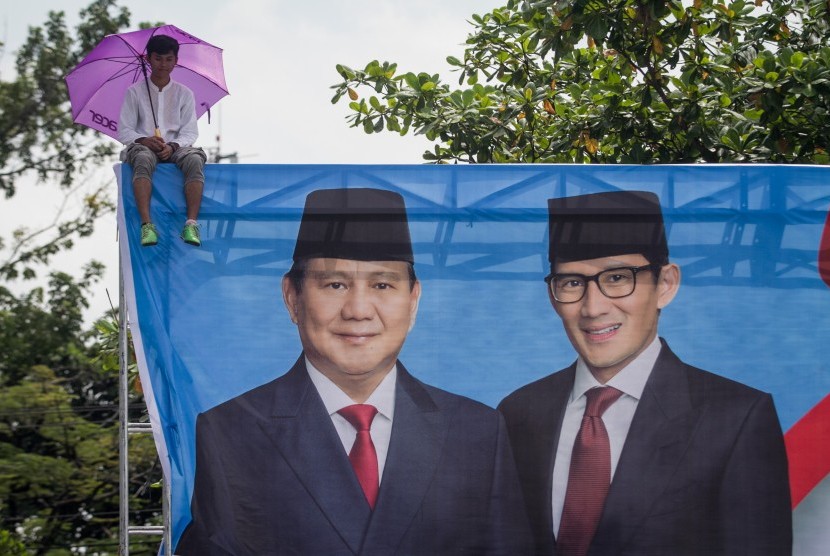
x,y
279,61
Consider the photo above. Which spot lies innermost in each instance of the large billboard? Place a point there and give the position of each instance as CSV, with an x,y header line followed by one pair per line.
x,y
754,303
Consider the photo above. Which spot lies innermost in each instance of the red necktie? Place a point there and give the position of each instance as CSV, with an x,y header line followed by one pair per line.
x,y
363,456
589,478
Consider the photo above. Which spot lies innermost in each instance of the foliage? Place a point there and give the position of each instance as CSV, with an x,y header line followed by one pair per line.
x,y
632,81
10,546
58,383
39,141
56,320
59,429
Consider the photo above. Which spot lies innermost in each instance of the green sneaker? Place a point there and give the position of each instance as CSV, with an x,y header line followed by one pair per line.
x,y
149,236
190,234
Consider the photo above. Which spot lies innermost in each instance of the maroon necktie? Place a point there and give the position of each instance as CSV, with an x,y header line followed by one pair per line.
x,y
589,478
363,456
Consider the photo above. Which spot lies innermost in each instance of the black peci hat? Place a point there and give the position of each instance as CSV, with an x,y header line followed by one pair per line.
x,y
607,224
356,224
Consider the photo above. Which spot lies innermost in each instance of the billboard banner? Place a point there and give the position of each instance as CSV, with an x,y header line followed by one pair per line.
x,y
752,242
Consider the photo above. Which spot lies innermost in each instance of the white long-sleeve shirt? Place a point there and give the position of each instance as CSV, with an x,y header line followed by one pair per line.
x,y
175,109
383,398
631,381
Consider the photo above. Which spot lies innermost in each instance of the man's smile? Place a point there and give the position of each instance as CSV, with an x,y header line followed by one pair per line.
x,y
600,334
356,337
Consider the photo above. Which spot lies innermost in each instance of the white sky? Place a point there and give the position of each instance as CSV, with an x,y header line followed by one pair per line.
x,y
279,59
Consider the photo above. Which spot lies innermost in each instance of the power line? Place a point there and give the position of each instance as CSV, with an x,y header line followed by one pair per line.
x,y
64,424
8,519
73,409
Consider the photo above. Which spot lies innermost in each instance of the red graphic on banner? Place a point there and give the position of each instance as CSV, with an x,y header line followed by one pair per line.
x,y
824,253
808,450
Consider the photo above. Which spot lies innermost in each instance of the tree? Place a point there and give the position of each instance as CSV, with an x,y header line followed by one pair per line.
x,y
39,141
632,81
59,429
58,383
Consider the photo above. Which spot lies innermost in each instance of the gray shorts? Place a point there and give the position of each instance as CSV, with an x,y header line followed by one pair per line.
x,y
190,160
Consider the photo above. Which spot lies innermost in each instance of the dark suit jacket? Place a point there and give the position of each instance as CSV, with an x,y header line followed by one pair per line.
x,y
703,470
272,477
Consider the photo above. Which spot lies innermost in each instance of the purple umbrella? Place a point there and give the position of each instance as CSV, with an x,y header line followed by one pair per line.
x,y
98,84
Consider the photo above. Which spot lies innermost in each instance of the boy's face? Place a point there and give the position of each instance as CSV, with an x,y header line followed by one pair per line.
x,y
162,64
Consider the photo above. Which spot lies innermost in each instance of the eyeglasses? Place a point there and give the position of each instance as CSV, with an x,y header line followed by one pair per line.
x,y
614,283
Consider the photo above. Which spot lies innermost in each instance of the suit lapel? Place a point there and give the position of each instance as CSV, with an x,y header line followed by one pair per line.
x,y
656,443
547,426
419,429
302,431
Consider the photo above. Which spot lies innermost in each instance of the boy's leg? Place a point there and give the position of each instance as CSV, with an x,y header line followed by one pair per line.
x,y
193,198
191,161
143,162
143,192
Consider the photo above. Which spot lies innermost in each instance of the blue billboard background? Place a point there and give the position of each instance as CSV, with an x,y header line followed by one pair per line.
x,y
209,322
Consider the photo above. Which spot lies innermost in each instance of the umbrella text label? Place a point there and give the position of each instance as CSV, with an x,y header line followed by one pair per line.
x,y
100,119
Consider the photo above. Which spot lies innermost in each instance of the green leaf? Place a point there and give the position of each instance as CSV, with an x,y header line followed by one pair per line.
x,y
392,124
468,96
412,80
797,59
345,72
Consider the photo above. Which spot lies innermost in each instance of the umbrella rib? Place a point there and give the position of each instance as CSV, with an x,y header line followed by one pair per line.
x,y
126,70
122,39
205,77
133,62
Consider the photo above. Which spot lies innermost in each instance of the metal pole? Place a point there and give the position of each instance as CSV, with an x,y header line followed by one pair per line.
x,y
167,516
123,420
125,428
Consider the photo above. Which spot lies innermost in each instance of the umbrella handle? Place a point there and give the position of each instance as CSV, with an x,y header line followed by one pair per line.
x,y
157,133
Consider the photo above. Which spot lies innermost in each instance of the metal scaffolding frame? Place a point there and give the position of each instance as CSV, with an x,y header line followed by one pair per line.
x,y
125,429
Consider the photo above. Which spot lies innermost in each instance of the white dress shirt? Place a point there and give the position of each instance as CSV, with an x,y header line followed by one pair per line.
x,y
175,111
617,419
383,398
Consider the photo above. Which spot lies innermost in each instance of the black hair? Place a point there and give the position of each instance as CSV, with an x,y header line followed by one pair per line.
x,y
162,44
297,272
659,262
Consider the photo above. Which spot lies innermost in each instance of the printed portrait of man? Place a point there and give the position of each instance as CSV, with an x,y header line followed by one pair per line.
x,y
347,452
630,450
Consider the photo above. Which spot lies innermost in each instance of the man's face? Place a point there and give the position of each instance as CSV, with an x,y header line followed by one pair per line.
x,y
353,316
162,64
610,333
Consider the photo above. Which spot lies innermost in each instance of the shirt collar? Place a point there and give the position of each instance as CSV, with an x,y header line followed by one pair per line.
x,y
335,399
631,380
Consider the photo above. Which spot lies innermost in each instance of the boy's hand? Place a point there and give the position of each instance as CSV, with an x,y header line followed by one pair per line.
x,y
165,153
155,144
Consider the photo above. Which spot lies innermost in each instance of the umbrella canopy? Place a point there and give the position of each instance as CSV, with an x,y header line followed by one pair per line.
x,y
98,84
